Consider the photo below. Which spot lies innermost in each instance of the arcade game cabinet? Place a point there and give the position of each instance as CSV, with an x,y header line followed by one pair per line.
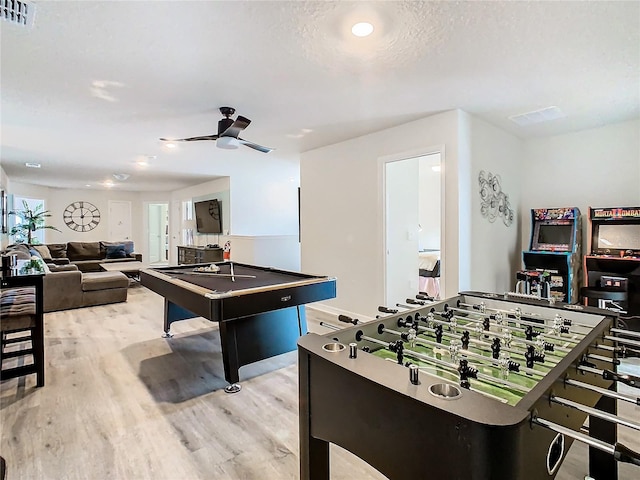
x,y
613,266
553,262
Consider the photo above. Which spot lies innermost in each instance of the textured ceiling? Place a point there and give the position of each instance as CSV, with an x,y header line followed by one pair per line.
x,y
89,88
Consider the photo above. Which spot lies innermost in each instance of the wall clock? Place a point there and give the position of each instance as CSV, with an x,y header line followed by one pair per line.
x,y
81,216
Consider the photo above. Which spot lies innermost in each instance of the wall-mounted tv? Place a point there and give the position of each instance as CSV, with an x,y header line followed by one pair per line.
x,y
208,216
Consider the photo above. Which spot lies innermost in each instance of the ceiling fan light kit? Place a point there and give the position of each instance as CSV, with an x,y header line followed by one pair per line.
x,y
228,131
228,143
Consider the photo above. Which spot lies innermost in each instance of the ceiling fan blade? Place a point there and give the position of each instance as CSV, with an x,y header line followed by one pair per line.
x,y
190,139
236,127
255,146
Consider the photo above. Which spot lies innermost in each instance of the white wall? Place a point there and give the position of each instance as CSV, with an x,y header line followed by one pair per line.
x,y
341,204
495,247
259,203
592,168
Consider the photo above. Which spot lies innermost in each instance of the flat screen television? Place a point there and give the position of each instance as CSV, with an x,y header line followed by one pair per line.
x,y
208,216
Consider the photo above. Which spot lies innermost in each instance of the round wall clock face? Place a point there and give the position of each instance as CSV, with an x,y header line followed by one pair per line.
x,y
81,216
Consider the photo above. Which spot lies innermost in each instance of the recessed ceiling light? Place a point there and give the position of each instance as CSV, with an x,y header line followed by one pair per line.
x,y
121,176
170,145
142,163
32,165
87,185
362,29
108,184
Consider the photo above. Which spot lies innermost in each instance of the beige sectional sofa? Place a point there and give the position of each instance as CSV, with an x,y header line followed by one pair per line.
x,y
79,282
88,256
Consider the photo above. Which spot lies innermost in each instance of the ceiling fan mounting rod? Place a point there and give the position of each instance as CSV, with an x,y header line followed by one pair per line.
x,y
227,111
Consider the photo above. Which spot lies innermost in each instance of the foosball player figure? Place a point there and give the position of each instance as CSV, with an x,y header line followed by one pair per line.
x,y
532,356
495,348
466,372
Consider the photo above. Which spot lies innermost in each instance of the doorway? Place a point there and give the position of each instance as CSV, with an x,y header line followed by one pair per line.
x,y
158,233
413,227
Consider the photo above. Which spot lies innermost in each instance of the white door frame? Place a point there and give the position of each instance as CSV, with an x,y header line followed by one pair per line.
x,y
382,161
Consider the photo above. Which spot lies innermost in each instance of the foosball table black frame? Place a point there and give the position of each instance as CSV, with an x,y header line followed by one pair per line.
x,y
370,407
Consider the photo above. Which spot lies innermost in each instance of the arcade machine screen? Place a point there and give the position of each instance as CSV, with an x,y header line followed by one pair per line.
x,y
555,235
619,237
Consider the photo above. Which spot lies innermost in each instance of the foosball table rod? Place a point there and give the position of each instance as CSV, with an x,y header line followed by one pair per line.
x,y
628,333
514,329
487,361
478,343
499,335
481,307
630,380
594,412
623,341
477,375
620,452
517,329
602,391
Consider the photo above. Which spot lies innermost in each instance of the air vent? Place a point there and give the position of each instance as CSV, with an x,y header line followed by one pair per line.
x,y
17,12
537,116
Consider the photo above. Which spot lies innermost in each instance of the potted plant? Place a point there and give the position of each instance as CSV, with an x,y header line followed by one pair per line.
x,y
30,221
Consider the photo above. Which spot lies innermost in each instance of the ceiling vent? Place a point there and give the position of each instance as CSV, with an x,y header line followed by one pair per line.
x,y
17,12
121,176
537,116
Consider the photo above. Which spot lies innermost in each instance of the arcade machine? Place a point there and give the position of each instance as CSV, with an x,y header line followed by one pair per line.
x,y
613,266
552,263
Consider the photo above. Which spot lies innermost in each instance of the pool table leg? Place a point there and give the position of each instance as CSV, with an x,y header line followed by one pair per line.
x,y
173,313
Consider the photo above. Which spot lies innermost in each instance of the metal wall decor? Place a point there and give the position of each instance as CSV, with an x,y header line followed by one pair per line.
x,y
495,203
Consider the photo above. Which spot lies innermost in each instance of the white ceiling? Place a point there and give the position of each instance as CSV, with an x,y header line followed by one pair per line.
x,y
297,72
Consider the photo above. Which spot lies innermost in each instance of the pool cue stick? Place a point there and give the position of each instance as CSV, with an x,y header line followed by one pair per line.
x,y
233,278
206,274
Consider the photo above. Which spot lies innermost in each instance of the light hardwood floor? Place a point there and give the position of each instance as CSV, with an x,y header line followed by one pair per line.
x,y
120,402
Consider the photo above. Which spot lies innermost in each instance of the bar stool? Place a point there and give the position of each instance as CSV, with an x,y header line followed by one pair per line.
x,y
20,321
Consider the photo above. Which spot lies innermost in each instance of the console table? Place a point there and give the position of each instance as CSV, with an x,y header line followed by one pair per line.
x,y
192,254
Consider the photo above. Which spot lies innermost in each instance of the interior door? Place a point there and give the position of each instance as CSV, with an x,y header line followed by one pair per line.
x,y
402,225
156,232
119,220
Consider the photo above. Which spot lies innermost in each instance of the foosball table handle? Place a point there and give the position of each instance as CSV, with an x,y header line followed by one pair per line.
x,y
624,454
346,319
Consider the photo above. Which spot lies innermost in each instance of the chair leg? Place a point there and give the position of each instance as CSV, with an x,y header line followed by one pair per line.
x,y
37,342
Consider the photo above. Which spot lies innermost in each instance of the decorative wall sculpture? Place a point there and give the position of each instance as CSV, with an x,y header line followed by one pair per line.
x,y
495,203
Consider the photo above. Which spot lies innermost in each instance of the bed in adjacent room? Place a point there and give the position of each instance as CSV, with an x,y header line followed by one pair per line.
x,y
429,272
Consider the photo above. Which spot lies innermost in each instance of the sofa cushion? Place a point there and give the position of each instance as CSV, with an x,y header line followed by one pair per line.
x,y
116,251
127,244
103,280
57,250
43,250
83,251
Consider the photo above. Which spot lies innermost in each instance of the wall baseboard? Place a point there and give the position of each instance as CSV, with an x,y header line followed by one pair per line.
x,y
323,307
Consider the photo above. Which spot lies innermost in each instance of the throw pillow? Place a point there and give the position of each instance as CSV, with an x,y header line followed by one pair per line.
x,y
83,251
116,251
57,250
43,250
35,253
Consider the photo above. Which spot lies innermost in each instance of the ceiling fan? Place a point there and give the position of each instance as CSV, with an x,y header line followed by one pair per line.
x,y
228,131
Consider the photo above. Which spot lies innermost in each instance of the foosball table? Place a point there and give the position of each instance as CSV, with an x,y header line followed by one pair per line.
x,y
476,386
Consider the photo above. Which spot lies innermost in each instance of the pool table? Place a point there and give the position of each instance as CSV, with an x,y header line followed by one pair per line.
x,y
259,310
